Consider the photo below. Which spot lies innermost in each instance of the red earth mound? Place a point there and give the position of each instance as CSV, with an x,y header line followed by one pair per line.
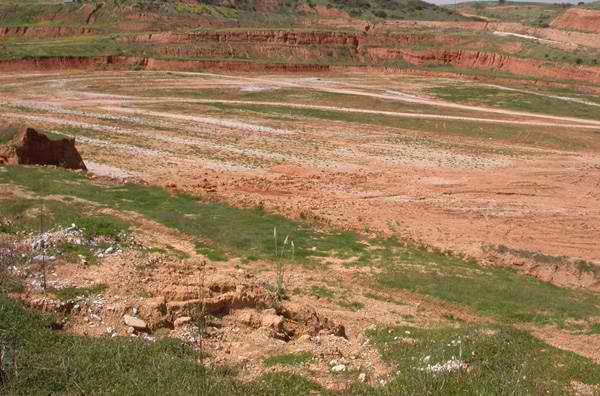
x,y
29,147
578,19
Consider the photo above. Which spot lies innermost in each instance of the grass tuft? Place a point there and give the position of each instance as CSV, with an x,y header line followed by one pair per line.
x,y
288,359
71,293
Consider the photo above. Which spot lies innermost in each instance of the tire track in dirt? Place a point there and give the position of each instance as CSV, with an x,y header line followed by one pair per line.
x,y
399,96
337,109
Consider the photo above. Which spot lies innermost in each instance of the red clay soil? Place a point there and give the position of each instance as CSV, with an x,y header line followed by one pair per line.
x,y
28,147
578,19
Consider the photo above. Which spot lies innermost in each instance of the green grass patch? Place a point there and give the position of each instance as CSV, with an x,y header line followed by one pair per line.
x,y
169,251
245,232
351,305
199,9
515,100
498,361
529,13
104,226
32,214
10,284
78,46
288,95
213,254
70,293
497,292
322,292
71,252
397,9
288,359
342,299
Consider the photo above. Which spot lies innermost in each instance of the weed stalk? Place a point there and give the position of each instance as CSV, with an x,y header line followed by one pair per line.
x,y
43,246
201,322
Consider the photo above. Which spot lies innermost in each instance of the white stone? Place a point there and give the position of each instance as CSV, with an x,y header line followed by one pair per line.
x,y
42,257
136,323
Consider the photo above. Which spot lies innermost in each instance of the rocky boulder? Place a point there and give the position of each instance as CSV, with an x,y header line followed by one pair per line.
x,y
29,147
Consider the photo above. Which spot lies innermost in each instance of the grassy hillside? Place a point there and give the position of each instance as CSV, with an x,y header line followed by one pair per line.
x,y
396,9
402,9
536,14
175,14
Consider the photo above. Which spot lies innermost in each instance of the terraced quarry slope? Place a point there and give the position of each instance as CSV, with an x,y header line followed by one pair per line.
x,y
296,199
274,35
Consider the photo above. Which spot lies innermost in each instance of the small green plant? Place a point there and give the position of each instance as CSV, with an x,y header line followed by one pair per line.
x,y
322,292
70,293
73,252
352,305
104,226
212,253
280,256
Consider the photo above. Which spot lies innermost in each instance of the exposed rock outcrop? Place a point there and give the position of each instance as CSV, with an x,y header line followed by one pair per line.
x,y
29,147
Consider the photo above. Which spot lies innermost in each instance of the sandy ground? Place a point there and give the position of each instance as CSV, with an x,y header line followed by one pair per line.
x,y
452,192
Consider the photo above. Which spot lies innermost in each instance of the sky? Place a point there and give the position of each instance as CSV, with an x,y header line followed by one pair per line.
x,y
537,1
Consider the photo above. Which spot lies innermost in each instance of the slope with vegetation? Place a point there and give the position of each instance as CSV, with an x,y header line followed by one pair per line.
x,y
449,357
527,13
161,13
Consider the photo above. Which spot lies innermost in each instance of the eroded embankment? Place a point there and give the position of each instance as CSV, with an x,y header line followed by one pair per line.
x,y
492,61
377,57
139,63
304,51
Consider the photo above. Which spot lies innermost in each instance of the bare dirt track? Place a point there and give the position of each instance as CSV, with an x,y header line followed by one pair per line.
x,y
454,190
